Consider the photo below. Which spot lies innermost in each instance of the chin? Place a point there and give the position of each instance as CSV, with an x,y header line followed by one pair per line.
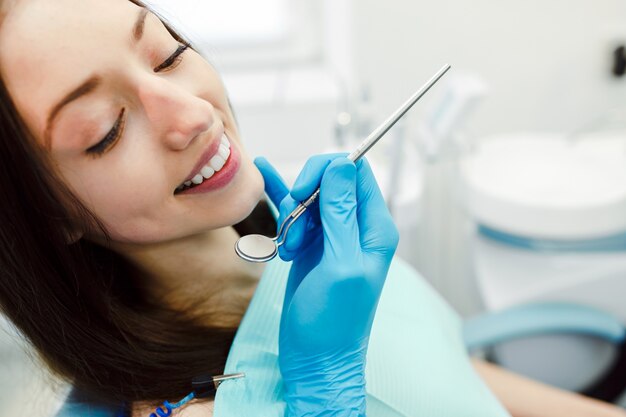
x,y
249,198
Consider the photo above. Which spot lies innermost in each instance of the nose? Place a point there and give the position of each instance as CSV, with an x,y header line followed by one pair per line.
x,y
176,115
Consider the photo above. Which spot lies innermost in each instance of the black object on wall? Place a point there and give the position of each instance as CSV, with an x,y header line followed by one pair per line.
x,y
619,61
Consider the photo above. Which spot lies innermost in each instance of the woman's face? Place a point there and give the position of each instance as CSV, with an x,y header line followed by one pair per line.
x,y
127,114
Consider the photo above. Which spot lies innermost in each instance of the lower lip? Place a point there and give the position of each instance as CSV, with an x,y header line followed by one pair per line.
x,y
221,178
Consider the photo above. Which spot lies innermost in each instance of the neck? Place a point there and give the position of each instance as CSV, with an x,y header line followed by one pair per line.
x,y
202,271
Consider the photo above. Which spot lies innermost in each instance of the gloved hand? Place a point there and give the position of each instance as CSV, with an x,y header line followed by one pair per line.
x,y
341,250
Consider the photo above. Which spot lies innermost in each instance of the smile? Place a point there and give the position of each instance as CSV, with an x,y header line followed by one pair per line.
x,y
217,173
216,163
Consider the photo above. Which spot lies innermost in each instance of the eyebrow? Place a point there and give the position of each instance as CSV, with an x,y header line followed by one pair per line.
x,y
139,24
91,84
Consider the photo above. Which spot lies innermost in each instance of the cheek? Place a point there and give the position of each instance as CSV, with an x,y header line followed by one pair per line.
x,y
123,196
129,196
249,190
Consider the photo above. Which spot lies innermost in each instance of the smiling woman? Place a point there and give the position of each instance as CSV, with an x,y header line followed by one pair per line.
x,y
124,287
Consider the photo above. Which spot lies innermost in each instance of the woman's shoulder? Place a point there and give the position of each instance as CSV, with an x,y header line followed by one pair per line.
x,y
195,409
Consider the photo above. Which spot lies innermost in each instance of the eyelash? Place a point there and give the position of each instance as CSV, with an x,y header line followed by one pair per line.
x,y
173,61
118,128
115,132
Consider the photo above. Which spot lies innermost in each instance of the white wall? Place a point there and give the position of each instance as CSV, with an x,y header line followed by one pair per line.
x,y
547,61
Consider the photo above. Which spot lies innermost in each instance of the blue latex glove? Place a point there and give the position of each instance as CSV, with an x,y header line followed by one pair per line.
x,y
341,250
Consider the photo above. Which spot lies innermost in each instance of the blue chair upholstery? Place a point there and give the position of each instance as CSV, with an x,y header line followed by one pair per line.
x,y
541,318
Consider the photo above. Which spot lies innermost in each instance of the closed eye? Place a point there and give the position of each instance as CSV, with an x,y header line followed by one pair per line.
x,y
111,137
173,60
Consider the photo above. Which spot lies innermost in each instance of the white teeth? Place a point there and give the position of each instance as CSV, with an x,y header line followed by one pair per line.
x,y
223,151
217,162
207,172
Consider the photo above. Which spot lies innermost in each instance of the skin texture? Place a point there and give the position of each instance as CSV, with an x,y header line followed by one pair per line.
x,y
183,243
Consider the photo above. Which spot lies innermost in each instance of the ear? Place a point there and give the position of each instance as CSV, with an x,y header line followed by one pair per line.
x,y
73,236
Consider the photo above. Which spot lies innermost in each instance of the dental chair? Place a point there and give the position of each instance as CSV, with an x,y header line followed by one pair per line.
x,y
484,332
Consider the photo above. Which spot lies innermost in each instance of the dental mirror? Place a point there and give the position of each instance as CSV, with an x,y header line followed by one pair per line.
x,y
256,248
260,248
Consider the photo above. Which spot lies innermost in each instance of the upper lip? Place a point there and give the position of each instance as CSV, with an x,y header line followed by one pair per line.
x,y
210,151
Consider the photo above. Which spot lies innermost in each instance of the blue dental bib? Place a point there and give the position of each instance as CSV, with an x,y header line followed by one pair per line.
x,y
417,364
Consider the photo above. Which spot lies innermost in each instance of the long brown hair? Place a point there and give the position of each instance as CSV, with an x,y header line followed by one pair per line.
x,y
79,305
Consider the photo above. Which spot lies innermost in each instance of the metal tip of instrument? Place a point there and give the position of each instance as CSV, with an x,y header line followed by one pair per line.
x,y
218,379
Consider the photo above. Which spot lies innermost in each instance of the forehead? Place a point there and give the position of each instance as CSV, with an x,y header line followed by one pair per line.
x,y
49,47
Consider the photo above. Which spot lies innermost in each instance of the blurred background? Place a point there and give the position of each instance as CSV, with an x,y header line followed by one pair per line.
x,y
507,180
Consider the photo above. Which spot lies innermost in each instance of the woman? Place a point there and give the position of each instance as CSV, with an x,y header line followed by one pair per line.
x,y
116,265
